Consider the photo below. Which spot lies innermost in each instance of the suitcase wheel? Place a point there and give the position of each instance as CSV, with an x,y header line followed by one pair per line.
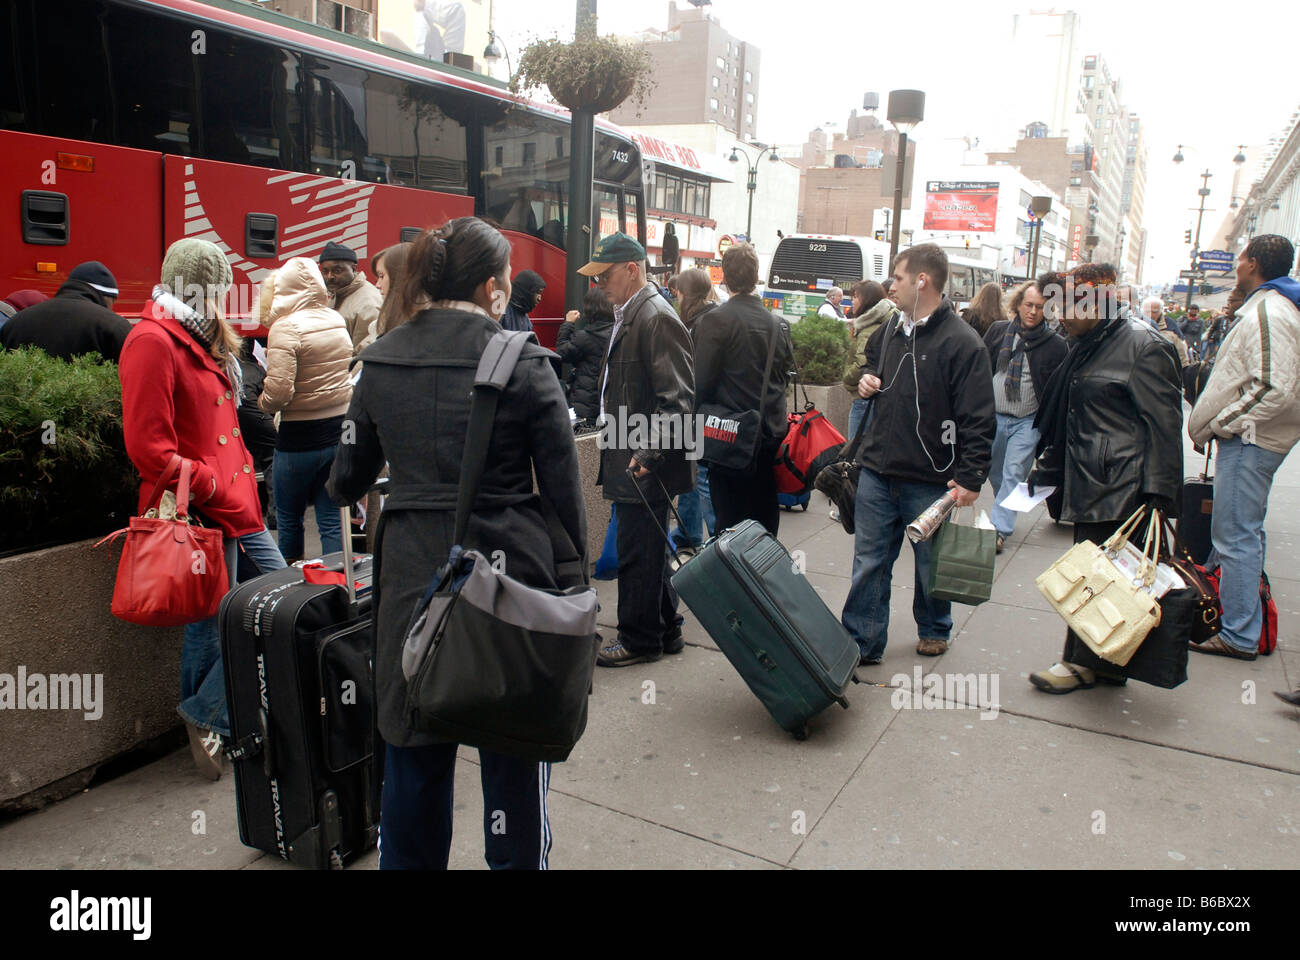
x,y
844,701
801,733
804,506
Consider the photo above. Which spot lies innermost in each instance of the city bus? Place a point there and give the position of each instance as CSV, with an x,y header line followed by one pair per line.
x,y
965,277
127,124
806,265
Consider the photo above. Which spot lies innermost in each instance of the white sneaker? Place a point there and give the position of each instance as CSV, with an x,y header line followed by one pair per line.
x,y
835,514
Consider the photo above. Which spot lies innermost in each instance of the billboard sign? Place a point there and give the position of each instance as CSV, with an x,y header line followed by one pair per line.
x,y
961,206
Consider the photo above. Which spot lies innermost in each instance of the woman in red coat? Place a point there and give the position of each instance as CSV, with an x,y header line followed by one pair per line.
x,y
180,396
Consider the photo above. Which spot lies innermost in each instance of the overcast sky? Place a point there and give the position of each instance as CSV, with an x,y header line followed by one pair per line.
x,y
1209,75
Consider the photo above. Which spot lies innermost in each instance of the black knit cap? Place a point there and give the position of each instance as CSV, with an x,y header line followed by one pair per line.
x,y
336,251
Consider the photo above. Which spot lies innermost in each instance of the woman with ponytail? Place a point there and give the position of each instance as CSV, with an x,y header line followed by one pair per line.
x,y
410,409
181,385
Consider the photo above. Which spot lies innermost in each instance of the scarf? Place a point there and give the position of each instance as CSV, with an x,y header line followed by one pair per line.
x,y
1011,358
1054,410
204,330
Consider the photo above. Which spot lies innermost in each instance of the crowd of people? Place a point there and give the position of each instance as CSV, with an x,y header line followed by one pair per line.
x,y
1066,384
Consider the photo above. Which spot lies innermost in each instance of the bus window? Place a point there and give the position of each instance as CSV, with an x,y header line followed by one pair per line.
x,y
336,117
413,137
525,174
68,95
252,112
155,106
960,288
631,214
604,213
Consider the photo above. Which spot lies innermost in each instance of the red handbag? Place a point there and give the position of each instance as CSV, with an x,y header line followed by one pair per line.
x,y
172,572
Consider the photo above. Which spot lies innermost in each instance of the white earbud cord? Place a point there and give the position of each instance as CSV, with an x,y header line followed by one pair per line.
x,y
911,352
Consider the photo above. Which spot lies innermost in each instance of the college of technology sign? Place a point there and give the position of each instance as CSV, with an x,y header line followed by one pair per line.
x,y
961,206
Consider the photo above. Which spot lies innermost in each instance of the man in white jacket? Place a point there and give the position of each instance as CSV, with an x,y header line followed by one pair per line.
x,y
1251,407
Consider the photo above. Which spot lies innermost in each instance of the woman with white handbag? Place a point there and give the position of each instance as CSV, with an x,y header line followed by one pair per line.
x,y
1110,426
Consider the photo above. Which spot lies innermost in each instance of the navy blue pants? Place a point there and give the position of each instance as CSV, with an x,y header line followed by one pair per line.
x,y
415,818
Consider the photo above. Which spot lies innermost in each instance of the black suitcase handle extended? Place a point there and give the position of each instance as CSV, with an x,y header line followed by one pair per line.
x,y
672,548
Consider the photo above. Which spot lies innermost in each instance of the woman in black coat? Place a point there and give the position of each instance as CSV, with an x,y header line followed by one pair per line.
x,y
411,408
583,342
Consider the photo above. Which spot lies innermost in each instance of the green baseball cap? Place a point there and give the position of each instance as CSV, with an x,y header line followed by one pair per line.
x,y
616,248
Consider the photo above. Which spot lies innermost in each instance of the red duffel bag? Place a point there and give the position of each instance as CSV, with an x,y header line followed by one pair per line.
x,y
172,572
810,444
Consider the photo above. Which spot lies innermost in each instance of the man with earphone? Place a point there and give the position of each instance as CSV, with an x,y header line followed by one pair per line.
x,y
931,431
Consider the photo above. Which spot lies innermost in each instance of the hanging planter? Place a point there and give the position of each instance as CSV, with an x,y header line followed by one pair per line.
x,y
590,73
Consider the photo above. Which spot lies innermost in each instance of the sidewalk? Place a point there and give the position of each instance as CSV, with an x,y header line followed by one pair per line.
x,y
702,778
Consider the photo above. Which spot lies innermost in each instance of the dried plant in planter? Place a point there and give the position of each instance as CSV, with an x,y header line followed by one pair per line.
x,y
590,73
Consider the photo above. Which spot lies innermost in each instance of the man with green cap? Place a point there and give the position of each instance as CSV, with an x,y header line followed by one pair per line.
x,y
647,386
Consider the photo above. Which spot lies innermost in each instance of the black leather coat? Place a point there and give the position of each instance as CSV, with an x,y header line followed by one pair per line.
x,y
651,382
1124,429
584,349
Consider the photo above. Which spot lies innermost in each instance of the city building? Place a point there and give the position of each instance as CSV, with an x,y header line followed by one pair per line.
x,y
706,196
703,73
1273,202
1047,54
1133,200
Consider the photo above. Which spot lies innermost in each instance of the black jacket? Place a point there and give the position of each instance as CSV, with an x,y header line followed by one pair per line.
x,y
957,421
74,321
256,425
415,416
1043,358
731,346
584,349
1124,429
651,384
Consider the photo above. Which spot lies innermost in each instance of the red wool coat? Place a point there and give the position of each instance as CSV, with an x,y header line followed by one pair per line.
x,y
177,400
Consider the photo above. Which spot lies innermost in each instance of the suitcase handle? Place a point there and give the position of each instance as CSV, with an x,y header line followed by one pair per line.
x,y
380,486
671,506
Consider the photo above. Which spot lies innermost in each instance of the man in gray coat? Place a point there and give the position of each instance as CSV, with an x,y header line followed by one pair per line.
x,y
647,395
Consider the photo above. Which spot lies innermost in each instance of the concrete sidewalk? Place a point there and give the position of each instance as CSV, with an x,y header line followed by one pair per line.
x,y
1204,776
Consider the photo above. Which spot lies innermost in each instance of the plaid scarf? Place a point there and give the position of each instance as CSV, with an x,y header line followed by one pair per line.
x,y
1011,358
204,330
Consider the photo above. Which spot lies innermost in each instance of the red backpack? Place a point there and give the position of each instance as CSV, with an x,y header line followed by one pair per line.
x,y
1268,629
810,444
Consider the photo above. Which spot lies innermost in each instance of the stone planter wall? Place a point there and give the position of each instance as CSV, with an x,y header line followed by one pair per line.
x,y
56,621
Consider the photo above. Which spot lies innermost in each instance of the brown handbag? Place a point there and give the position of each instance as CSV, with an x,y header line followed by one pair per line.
x,y
1209,610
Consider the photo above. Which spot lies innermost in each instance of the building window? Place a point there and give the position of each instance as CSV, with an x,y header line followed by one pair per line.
x,y
749,98
715,83
749,76
559,146
500,155
530,152
735,71
749,118
722,65
713,104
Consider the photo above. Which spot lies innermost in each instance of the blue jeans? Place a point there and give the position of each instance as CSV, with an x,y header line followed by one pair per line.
x,y
884,509
696,510
856,411
258,554
1243,479
1013,458
203,679
299,477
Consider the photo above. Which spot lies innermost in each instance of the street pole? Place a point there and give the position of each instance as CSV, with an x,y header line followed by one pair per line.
x,y
898,196
582,148
749,219
1196,244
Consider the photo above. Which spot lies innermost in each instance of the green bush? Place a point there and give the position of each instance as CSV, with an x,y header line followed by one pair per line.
x,y
821,348
64,472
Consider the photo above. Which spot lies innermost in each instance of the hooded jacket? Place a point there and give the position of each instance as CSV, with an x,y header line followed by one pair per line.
x,y
527,285
358,303
584,349
1254,390
863,327
307,350
73,322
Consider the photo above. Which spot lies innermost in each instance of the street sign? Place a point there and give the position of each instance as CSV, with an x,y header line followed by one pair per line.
x,y
1191,274
1215,266
1217,255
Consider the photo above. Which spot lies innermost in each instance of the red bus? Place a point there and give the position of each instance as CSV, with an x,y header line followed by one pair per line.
x,y
128,124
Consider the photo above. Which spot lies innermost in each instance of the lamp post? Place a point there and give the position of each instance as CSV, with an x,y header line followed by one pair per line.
x,y
1203,192
493,51
582,149
752,185
906,110
1040,206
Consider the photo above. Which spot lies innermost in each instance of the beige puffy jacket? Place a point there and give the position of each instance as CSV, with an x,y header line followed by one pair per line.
x,y
1254,389
308,349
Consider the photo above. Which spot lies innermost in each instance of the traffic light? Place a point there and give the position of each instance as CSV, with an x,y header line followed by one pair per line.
x,y
1187,235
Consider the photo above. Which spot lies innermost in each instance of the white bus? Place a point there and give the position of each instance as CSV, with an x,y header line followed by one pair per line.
x,y
806,265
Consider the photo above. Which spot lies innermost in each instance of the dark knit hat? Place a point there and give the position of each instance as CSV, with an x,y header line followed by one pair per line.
x,y
97,275
336,251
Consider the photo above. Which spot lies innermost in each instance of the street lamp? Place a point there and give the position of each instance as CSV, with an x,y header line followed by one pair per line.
x,y
1240,158
906,110
494,50
752,185
1203,192
1040,206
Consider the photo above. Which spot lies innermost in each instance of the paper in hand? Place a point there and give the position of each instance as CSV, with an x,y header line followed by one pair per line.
x,y
1020,500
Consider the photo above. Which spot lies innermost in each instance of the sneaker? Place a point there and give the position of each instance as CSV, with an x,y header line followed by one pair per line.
x,y
1220,648
835,514
931,647
205,748
866,661
674,644
617,655
1001,541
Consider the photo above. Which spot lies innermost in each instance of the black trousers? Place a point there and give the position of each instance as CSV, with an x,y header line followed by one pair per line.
x,y
647,602
415,816
1098,533
746,495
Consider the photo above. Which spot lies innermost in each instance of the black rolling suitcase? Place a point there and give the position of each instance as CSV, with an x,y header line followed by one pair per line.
x,y
1196,511
300,685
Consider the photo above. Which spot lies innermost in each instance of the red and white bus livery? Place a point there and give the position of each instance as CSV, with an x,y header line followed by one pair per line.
x,y
128,124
